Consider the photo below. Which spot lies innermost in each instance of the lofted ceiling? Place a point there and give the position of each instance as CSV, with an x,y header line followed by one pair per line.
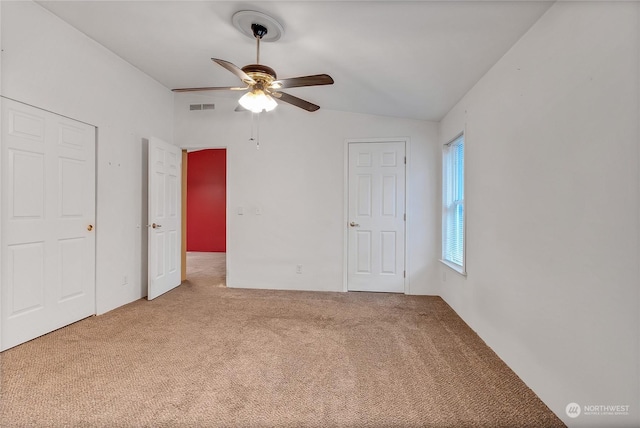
x,y
412,59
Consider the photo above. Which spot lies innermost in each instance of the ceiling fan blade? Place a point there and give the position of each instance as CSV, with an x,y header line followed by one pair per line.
x,y
240,108
296,82
298,102
209,88
235,70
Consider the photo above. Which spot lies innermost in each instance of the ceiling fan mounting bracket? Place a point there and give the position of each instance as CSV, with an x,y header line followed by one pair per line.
x,y
259,31
245,20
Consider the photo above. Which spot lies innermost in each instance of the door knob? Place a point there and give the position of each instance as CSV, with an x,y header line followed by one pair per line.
x,y
156,226
354,224
90,227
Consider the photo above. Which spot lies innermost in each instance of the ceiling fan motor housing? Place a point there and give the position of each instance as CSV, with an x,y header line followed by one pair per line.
x,y
262,74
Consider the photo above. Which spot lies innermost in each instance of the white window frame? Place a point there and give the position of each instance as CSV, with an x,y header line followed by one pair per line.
x,y
451,205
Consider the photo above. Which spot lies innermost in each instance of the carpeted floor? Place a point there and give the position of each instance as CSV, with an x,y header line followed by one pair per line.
x,y
205,268
208,356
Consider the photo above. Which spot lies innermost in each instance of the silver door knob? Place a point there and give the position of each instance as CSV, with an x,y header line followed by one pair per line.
x,y
354,224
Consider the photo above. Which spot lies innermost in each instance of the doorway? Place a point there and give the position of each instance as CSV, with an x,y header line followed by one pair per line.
x,y
206,208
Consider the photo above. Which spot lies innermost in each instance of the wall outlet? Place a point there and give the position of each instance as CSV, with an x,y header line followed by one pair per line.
x,y
298,268
125,280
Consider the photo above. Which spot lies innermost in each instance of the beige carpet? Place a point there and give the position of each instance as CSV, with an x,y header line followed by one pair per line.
x,y
209,356
207,268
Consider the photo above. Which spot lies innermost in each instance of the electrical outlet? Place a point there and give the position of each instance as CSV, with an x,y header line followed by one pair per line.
x,y
299,269
125,280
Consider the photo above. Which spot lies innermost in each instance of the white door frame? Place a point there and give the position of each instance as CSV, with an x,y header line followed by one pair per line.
x,y
228,212
345,227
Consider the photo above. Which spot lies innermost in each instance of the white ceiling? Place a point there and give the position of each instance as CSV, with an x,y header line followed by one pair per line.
x,y
408,59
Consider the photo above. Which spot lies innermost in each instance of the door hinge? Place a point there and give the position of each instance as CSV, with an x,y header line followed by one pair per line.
x,y
404,273
404,217
405,160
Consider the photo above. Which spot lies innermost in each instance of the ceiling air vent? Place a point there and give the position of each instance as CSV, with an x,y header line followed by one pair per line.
x,y
202,107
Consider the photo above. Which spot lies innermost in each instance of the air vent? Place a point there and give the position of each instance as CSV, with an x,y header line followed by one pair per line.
x,y
202,107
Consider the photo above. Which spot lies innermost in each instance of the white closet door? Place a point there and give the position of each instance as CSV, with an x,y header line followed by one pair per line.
x,y
48,219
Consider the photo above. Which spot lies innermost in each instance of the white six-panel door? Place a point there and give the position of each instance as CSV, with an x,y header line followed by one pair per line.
x,y
165,162
48,218
376,217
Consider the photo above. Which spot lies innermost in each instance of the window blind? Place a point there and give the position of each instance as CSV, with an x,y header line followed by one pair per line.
x,y
453,212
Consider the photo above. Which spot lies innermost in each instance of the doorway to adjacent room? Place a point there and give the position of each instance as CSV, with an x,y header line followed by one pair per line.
x,y
206,223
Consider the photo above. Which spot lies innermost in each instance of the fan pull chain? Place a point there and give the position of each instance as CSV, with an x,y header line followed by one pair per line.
x,y
258,133
255,124
252,123
251,137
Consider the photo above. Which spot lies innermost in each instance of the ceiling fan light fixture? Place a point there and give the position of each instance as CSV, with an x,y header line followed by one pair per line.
x,y
257,101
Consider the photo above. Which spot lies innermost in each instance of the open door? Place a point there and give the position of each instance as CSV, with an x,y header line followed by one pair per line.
x,y
164,217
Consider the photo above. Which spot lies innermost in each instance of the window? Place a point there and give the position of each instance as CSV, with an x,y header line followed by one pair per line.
x,y
453,204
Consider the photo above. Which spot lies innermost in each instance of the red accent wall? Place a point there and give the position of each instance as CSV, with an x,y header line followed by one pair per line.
x,y
206,200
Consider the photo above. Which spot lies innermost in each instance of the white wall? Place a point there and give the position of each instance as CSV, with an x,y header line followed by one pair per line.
x,y
553,226
296,178
1,209
49,64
